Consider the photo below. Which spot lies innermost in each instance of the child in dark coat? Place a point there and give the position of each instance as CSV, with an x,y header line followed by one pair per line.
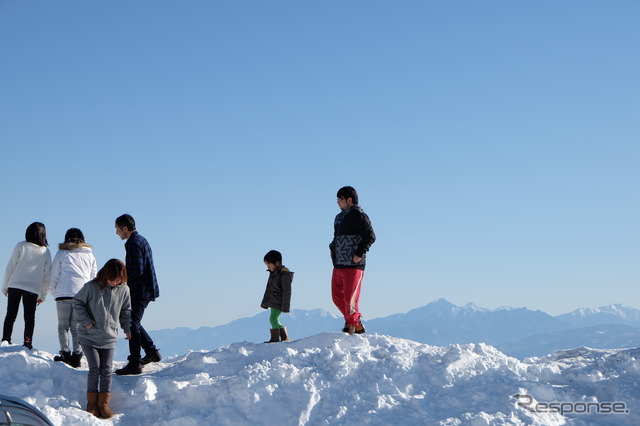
x,y
277,295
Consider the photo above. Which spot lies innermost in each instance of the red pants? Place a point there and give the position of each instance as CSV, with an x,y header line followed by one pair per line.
x,y
345,291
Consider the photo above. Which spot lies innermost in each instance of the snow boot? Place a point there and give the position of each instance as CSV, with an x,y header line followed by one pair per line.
x,y
104,398
284,337
131,368
64,356
92,403
153,356
28,343
74,360
275,335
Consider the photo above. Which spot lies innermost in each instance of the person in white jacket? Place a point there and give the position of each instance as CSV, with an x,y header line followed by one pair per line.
x,y
27,278
72,267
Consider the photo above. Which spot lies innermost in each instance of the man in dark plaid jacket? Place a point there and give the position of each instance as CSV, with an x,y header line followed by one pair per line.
x,y
143,286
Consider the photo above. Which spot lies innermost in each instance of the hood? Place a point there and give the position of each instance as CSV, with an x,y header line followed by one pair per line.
x,y
74,246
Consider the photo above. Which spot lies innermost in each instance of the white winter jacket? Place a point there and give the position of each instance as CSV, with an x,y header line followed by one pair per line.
x,y
72,267
28,269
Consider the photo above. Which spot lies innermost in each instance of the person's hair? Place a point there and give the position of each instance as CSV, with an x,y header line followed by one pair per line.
x,y
348,192
37,234
113,269
273,256
126,220
74,235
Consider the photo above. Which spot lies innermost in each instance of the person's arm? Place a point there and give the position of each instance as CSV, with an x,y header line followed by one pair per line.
x,y
11,266
55,272
46,277
94,267
367,236
285,284
80,307
135,260
125,313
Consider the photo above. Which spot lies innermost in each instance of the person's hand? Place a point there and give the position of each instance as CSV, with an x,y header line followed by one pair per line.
x,y
38,302
356,259
90,326
127,336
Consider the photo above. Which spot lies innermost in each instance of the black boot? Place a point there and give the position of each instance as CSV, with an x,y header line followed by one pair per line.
x,y
64,356
132,368
153,356
74,361
284,337
275,335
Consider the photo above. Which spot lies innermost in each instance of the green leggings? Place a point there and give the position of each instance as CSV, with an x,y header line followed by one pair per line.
x,y
274,319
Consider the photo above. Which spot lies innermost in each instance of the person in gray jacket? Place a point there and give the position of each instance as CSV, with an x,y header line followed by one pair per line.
x,y
99,307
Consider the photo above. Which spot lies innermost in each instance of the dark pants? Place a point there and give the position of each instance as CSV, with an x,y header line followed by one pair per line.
x,y
29,303
140,339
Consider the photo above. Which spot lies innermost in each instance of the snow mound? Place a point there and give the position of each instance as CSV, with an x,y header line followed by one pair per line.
x,y
333,378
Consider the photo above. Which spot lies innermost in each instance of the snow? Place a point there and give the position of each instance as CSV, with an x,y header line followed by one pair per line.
x,y
334,378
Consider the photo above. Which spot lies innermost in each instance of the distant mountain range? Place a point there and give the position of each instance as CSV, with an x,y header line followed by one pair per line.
x,y
517,332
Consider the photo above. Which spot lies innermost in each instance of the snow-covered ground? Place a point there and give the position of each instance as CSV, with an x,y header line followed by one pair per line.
x,y
333,378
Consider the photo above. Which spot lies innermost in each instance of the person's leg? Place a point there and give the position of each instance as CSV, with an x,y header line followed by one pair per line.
x,y
106,364
73,327
13,304
29,303
337,291
93,359
137,311
274,318
64,309
92,378
275,326
352,283
278,330
104,397
146,342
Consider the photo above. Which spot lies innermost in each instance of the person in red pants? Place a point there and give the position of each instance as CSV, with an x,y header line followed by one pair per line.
x,y
352,238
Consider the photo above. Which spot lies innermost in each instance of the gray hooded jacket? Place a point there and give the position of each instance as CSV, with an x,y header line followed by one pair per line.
x,y
105,308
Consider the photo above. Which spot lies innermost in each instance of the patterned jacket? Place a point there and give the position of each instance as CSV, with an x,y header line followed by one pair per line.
x,y
352,235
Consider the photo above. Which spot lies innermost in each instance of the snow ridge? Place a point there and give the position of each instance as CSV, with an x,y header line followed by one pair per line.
x,y
333,378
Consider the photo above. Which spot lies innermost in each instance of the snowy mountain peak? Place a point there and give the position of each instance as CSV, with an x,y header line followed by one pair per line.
x,y
440,305
614,313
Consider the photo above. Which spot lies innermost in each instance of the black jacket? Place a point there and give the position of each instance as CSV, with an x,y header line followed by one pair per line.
x,y
352,235
278,292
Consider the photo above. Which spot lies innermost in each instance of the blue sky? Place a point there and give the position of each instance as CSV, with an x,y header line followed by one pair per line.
x,y
495,146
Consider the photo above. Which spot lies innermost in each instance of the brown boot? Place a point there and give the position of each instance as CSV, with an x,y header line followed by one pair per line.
x,y
103,405
92,403
275,335
284,337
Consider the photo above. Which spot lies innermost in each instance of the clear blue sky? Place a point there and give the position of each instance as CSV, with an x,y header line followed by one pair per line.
x,y
495,146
